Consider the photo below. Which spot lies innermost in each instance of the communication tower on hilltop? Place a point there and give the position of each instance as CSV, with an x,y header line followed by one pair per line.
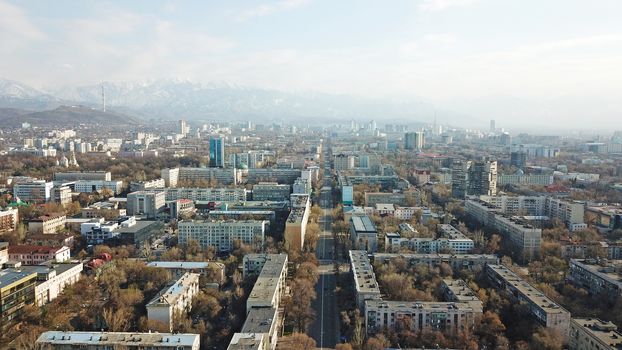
x,y
103,98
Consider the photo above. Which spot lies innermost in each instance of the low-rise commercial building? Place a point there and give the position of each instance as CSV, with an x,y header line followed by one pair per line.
x,y
548,313
174,300
608,217
34,191
363,234
180,208
147,203
90,186
57,340
83,175
103,210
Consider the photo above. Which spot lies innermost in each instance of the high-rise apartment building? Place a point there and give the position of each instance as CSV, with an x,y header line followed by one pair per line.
x,y
343,162
217,152
414,140
184,129
474,178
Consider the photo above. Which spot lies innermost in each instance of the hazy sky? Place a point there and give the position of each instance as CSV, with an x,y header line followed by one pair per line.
x,y
534,59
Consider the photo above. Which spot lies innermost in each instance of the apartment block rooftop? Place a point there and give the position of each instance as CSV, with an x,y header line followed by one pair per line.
x,y
363,272
363,224
189,265
431,306
10,276
247,341
268,280
606,332
534,295
159,340
608,270
169,295
260,320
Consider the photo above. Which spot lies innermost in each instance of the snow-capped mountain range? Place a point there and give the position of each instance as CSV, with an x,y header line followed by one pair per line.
x,y
175,99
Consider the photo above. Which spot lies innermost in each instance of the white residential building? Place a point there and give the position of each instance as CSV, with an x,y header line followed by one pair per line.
x,y
147,185
57,340
174,300
524,239
365,283
542,308
451,241
52,279
221,194
47,224
222,234
593,334
170,176
447,317
270,284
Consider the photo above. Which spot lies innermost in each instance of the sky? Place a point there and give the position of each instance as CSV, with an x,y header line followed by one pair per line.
x,y
516,61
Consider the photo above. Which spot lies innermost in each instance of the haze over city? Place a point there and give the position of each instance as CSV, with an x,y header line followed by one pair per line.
x,y
546,64
310,175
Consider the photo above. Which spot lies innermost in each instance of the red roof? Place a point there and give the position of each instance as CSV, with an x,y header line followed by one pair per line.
x,y
32,249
